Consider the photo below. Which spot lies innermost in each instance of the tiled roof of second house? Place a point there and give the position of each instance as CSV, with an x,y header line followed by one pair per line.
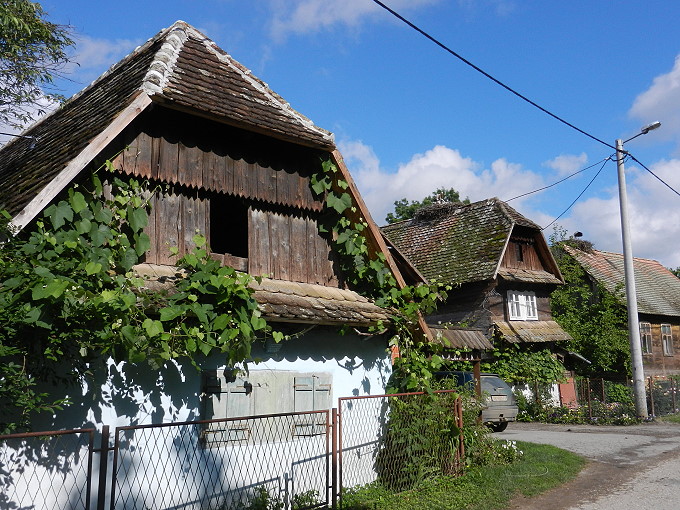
x,y
459,243
658,290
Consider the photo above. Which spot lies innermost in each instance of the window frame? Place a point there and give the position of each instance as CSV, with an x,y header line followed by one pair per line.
x,y
646,338
667,340
522,305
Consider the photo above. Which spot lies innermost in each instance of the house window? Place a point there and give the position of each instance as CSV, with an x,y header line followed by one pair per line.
x,y
522,306
646,337
264,392
228,225
667,339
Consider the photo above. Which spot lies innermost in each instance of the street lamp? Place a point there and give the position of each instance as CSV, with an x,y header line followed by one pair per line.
x,y
631,294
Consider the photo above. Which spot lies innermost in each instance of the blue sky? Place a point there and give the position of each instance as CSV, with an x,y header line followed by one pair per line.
x,y
409,117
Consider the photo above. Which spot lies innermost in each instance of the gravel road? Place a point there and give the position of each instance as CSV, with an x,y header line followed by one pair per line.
x,y
630,467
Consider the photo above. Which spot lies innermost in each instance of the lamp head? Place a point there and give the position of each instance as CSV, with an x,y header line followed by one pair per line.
x,y
650,127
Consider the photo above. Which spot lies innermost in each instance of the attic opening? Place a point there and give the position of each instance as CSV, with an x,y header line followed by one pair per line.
x,y
228,226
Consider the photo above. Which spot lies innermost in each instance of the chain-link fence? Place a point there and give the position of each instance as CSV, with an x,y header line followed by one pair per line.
x,y
399,440
46,470
274,461
662,396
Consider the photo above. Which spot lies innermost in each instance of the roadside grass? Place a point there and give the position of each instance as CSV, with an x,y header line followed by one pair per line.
x,y
671,418
541,468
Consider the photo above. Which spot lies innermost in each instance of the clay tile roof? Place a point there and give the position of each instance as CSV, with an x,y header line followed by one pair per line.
x,y
658,290
532,331
455,242
180,68
305,302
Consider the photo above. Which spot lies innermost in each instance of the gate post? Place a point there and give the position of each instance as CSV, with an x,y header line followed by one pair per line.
x,y
103,465
334,458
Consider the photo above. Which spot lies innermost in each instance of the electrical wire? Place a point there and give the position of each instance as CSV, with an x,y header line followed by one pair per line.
x,y
558,182
580,194
495,80
659,178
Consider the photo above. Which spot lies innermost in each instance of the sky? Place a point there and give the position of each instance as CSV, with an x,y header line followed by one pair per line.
x,y
409,117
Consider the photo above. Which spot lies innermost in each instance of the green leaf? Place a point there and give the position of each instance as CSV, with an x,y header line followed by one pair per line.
x,y
138,219
339,202
92,268
152,327
142,243
170,312
77,201
59,214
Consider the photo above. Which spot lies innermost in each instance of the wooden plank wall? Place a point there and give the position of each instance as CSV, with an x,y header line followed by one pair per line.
x,y
531,259
171,161
288,247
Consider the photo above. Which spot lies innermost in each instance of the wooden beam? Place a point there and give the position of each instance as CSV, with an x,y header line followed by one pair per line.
x,y
66,176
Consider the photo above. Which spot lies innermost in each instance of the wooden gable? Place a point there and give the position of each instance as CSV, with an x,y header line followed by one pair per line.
x,y
248,194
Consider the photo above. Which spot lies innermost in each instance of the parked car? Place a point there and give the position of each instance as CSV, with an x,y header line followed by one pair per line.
x,y
500,407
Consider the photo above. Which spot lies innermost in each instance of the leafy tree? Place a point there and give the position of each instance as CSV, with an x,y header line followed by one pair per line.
x,y
595,318
675,271
32,51
404,210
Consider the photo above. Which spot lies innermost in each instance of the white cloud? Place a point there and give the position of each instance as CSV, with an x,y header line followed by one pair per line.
x,y
653,213
438,167
661,101
566,164
315,15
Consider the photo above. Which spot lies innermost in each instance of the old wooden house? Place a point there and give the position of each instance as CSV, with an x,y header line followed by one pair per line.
x,y
658,298
226,157
500,267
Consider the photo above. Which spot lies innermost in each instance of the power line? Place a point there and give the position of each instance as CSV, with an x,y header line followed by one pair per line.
x,y
580,194
478,69
659,178
558,182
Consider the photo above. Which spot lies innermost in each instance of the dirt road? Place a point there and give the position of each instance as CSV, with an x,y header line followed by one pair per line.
x,y
630,467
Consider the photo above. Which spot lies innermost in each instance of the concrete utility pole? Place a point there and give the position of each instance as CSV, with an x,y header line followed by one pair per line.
x,y
631,294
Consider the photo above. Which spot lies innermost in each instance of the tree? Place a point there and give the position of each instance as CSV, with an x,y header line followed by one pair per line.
x,y
595,318
404,210
32,51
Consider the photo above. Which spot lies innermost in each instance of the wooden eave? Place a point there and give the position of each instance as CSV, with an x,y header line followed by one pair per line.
x,y
140,102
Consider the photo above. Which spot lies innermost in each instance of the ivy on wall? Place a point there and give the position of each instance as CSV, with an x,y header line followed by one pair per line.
x,y
367,273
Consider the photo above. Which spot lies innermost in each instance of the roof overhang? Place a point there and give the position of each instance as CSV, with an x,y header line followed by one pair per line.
x,y
64,178
531,331
285,301
461,338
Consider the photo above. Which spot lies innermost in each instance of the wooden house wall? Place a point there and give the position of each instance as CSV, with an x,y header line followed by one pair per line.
x,y
530,258
657,363
192,162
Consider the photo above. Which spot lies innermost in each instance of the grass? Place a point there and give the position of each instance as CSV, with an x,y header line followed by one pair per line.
x,y
671,418
541,468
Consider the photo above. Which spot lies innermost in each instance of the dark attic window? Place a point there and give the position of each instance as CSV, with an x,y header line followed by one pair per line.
x,y
229,226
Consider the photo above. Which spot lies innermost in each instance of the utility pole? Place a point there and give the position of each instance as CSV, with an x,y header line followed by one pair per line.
x,y
631,294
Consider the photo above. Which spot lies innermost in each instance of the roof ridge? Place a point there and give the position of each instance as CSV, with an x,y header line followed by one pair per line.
x,y
260,85
164,61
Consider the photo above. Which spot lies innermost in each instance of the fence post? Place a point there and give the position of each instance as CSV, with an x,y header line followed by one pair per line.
x,y
651,395
673,388
334,458
590,407
103,465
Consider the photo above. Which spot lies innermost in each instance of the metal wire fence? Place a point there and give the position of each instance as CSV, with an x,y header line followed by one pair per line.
x,y
273,461
399,440
46,470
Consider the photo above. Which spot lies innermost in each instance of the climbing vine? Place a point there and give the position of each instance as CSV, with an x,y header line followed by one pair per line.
x,y
69,294
367,272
